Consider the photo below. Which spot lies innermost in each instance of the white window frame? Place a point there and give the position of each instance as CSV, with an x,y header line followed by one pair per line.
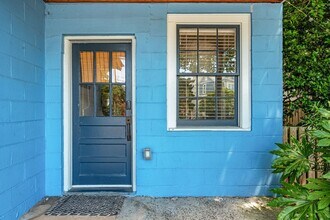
x,y
244,88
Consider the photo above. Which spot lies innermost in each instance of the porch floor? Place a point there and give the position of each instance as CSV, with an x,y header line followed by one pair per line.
x,y
148,208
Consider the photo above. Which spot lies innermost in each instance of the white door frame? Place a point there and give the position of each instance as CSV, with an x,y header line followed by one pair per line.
x,y
67,105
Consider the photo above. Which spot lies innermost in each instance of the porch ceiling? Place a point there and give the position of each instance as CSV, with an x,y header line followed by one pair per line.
x,y
163,1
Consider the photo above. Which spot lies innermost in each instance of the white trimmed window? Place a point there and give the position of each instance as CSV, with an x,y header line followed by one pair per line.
x,y
208,72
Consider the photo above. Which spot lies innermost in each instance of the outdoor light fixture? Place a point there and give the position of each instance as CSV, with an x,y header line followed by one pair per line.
x,y
147,153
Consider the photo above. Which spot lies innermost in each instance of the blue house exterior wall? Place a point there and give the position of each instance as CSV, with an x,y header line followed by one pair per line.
x,y
22,118
198,163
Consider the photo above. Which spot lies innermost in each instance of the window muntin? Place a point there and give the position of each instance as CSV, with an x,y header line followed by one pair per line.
x,y
207,75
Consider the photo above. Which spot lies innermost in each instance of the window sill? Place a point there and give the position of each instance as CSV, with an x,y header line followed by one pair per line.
x,y
209,128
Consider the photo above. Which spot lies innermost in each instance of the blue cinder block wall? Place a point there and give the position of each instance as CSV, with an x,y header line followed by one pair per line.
x,y
184,163
22,117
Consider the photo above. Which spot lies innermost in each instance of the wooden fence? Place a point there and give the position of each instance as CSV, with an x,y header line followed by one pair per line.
x,y
298,133
295,119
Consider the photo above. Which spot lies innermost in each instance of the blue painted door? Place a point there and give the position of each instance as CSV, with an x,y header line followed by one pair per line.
x,y
102,95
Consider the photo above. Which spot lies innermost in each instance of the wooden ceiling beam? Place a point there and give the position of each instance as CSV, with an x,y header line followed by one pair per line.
x,y
163,1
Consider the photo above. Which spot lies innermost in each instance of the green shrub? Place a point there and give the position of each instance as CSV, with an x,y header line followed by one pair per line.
x,y
306,56
310,201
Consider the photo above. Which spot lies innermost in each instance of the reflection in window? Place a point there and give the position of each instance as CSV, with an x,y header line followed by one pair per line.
x,y
188,62
102,66
86,100
187,108
118,67
102,100
118,100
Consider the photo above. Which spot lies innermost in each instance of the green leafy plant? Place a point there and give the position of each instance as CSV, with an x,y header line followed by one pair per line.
x,y
310,201
306,56
293,159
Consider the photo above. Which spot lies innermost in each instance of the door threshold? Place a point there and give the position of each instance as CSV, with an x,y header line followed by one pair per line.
x,y
101,188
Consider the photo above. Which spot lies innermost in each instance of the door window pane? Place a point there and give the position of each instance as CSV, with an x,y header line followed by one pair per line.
x,y
86,100
118,100
86,66
102,100
102,66
118,67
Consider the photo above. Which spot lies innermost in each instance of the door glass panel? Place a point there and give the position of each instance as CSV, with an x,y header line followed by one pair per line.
x,y
118,67
86,66
86,100
102,66
102,100
118,100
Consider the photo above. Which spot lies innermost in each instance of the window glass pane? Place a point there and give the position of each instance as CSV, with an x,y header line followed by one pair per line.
x,y
227,61
226,97
206,86
227,50
86,100
118,100
102,100
225,86
102,66
187,86
207,62
207,39
227,39
86,66
118,67
188,62
226,109
187,108
188,38
206,108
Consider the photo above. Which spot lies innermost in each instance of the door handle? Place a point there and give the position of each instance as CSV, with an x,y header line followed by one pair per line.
x,y
128,128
